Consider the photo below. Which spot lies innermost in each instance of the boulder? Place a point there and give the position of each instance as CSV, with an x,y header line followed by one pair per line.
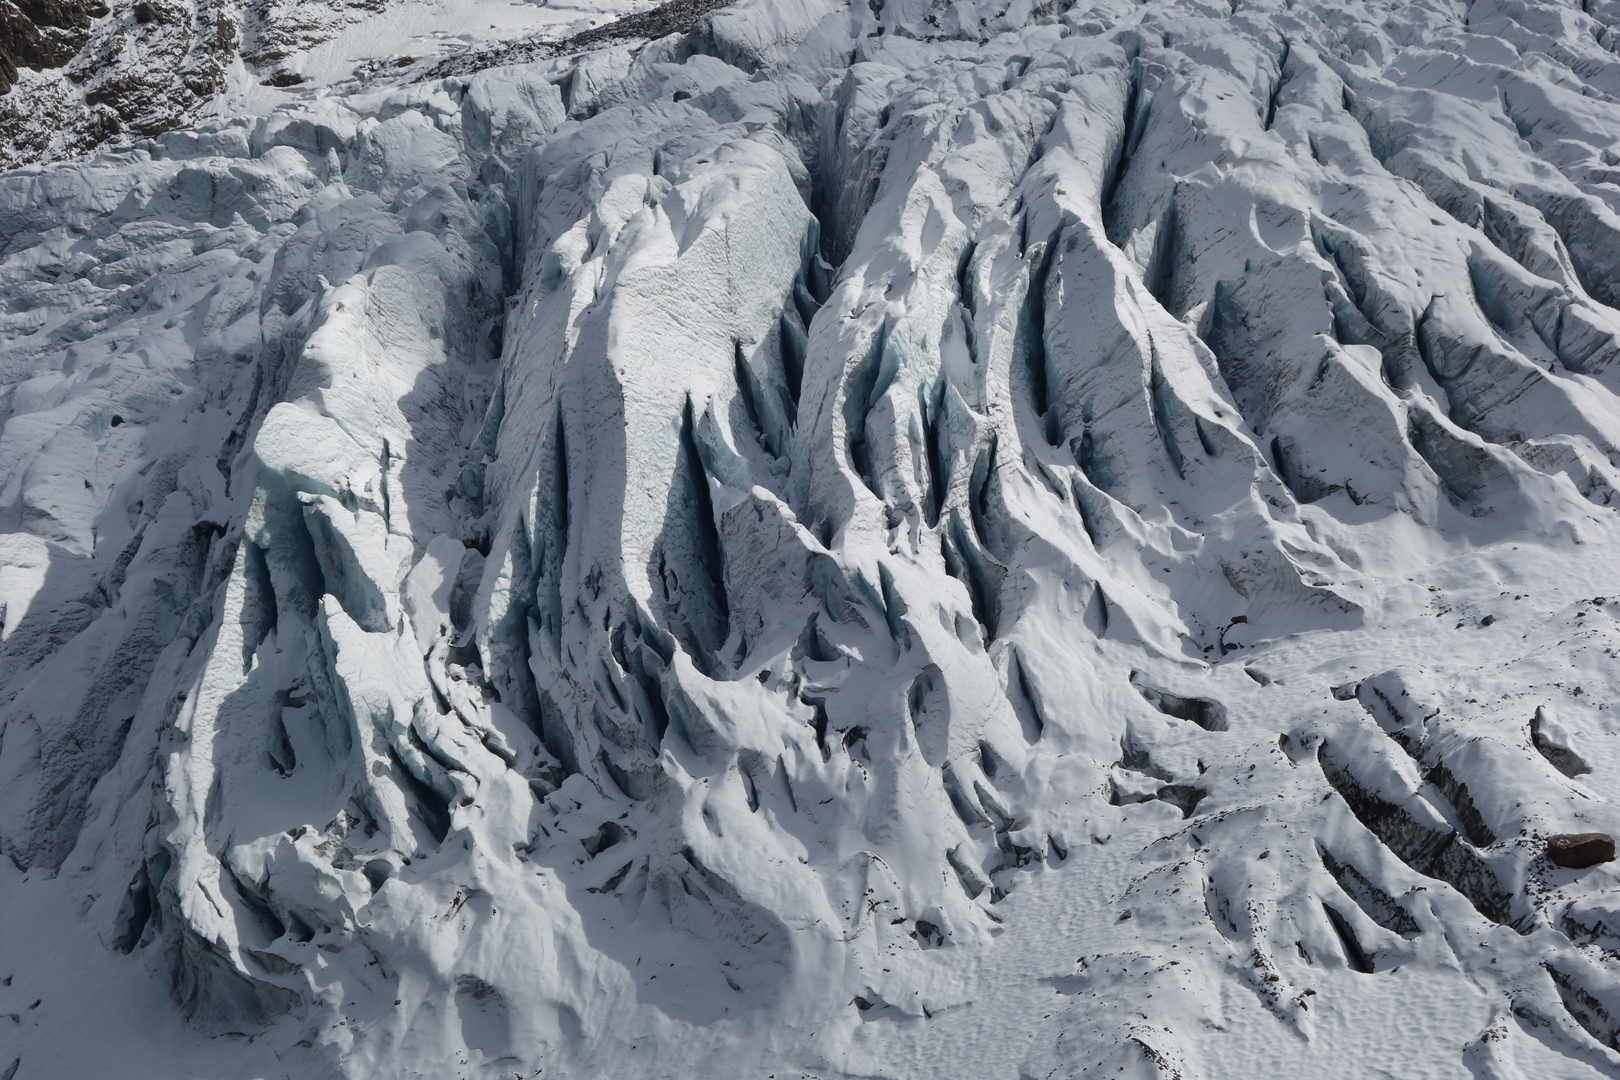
x,y
1580,850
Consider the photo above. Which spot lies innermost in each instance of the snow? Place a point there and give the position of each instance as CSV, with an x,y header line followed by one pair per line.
x,y
887,539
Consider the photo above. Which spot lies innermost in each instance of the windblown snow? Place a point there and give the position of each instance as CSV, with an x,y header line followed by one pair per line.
x,y
888,539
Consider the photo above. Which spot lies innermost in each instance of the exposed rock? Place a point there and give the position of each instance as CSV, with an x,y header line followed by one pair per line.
x,y
1580,850
1548,736
42,34
136,71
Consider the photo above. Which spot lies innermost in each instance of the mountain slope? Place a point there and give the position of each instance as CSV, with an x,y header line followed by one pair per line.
x,y
89,75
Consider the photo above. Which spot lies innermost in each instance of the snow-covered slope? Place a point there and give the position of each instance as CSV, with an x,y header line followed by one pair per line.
x,y
851,540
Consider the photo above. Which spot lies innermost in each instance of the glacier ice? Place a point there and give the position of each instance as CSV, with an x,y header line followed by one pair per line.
x,y
883,539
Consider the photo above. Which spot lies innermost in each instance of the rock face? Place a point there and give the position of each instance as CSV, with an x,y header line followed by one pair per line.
x,y
42,34
105,73
885,539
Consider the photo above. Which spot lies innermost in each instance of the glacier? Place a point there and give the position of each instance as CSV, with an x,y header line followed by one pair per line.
x,y
821,539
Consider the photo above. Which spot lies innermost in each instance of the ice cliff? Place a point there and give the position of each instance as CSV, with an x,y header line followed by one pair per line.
x,y
888,539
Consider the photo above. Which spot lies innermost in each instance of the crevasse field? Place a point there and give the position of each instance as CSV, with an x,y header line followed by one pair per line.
x,y
808,540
